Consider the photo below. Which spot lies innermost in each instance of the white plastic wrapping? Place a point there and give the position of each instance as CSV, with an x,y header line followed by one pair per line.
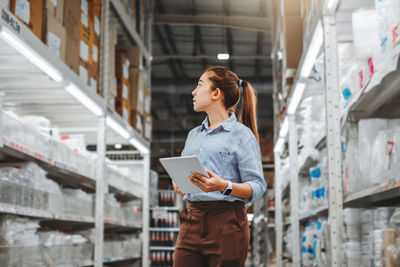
x,y
365,32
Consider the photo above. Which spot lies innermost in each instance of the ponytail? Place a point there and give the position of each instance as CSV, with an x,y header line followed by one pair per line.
x,y
247,114
229,83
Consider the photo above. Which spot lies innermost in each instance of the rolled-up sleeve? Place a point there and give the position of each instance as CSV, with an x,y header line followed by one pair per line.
x,y
250,168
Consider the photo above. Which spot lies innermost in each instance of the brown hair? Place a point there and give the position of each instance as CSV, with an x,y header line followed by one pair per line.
x,y
228,82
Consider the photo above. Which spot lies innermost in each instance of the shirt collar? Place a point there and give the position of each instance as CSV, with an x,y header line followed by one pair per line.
x,y
227,124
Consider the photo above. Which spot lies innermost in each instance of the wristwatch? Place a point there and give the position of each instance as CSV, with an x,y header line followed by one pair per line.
x,y
228,189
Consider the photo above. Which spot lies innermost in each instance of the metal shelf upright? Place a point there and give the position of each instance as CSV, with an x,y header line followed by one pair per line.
x,y
52,89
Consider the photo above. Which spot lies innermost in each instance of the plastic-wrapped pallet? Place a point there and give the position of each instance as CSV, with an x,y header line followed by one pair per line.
x,y
77,202
18,231
312,112
133,211
122,246
351,179
112,208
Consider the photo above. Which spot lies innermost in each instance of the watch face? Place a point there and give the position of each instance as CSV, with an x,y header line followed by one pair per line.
x,y
228,192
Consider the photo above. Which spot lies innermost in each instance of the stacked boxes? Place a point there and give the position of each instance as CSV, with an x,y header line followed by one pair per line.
x,y
81,19
30,12
54,33
5,3
122,65
94,28
147,121
293,33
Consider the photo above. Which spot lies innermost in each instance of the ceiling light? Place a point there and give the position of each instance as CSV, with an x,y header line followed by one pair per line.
x,y
30,54
223,56
139,146
296,97
312,51
117,146
84,99
113,124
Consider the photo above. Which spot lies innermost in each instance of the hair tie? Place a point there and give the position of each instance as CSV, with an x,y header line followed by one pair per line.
x,y
240,82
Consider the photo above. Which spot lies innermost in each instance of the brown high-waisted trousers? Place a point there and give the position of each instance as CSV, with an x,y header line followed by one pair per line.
x,y
214,234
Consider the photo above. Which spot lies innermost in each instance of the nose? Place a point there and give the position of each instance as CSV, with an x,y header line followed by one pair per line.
x,y
194,92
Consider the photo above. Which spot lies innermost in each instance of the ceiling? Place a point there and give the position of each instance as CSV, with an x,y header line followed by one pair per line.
x,y
187,36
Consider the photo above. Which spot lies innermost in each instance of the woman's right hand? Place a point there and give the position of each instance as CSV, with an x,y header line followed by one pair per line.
x,y
176,189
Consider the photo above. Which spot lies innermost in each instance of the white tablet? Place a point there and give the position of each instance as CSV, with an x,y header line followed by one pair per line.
x,y
180,168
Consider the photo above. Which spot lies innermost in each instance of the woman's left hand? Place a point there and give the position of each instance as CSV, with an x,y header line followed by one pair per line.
x,y
212,184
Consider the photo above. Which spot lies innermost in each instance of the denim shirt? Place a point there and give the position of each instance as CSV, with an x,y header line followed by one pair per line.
x,y
232,152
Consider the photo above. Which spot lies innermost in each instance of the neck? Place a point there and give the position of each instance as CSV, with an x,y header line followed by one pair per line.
x,y
216,117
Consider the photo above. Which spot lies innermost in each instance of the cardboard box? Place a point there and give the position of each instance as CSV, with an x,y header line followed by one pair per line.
x,y
147,101
56,9
83,72
94,79
137,121
54,35
30,12
123,88
133,54
292,26
94,20
136,82
290,7
72,21
147,127
5,3
121,64
123,108
389,242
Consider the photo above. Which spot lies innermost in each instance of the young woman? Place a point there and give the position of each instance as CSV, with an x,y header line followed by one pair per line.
x,y
214,229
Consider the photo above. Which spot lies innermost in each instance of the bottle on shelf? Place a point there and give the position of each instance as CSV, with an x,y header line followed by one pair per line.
x,y
171,239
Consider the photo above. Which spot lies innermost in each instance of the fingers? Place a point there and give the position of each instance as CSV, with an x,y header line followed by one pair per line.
x,y
210,173
177,190
199,176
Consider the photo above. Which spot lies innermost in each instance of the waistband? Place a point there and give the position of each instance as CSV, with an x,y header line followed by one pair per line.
x,y
210,205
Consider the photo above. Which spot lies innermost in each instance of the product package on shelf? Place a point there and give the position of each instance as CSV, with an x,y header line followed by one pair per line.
x,y
376,43
82,23
30,12
54,33
162,258
24,245
77,202
314,243
31,135
113,208
377,142
163,239
122,246
164,218
287,238
133,212
166,198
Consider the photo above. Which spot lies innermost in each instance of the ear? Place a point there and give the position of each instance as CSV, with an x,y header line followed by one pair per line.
x,y
217,94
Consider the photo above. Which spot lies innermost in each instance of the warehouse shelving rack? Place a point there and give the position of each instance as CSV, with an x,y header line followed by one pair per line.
x,y
35,82
372,101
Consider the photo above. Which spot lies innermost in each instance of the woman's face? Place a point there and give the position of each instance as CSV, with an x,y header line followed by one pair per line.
x,y
202,95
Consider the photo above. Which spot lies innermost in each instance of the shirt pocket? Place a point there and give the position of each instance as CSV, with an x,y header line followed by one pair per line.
x,y
226,161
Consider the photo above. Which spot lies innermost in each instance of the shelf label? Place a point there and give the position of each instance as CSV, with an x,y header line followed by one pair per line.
x,y
19,148
10,21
